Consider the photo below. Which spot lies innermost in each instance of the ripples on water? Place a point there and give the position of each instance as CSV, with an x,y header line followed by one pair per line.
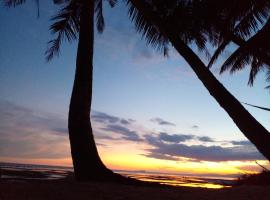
x,y
43,172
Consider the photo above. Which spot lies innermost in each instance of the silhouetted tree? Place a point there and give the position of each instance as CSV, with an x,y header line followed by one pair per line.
x,y
76,20
86,161
158,27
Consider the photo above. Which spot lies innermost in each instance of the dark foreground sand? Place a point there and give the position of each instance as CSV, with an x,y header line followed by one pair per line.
x,y
69,189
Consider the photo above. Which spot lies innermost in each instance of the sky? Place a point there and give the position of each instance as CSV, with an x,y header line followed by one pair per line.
x,y
149,113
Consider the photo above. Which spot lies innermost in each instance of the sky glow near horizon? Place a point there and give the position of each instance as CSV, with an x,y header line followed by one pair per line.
x,y
153,106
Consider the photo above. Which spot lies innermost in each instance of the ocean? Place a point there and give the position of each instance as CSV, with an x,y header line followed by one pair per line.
x,y
44,172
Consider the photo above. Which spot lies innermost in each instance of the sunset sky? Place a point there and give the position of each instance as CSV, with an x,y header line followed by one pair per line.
x,y
149,112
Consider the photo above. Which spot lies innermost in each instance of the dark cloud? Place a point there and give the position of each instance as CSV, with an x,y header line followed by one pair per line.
x,y
160,121
125,133
241,143
30,133
173,150
174,138
104,118
13,116
179,138
124,121
102,136
195,126
131,120
161,156
100,144
205,139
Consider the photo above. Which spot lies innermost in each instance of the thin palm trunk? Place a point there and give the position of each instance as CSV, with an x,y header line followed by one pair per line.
x,y
86,161
249,126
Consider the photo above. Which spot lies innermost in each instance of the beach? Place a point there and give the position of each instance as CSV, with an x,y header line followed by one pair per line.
x,y
24,182
69,189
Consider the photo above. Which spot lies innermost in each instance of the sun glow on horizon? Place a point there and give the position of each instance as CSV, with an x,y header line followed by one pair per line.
x,y
130,156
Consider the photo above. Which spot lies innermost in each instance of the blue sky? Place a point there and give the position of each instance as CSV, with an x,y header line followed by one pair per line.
x,y
131,80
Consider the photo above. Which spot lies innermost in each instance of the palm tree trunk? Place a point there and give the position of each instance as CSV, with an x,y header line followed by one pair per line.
x,y
86,161
249,126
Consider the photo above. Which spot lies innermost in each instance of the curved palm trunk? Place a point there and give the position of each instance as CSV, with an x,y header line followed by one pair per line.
x,y
86,161
249,126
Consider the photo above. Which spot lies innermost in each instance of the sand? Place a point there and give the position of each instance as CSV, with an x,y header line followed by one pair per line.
x,y
69,189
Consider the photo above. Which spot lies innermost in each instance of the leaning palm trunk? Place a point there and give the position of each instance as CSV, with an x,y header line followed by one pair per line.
x,y
249,126
86,161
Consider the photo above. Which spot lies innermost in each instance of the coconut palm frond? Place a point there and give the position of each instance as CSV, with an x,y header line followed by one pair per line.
x,y
200,42
218,52
268,78
253,19
254,51
99,16
149,31
38,11
237,61
66,26
256,67
112,2
13,3
176,13
54,47
58,2
100,22
66,23
238,23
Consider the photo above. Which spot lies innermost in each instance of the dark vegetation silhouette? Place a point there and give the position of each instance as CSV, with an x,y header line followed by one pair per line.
x,y
262,178
161,22
76,21
77,18
86,161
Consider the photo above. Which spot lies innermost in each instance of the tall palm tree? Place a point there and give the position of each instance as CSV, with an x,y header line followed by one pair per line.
x,y
86,161
156,27
76,20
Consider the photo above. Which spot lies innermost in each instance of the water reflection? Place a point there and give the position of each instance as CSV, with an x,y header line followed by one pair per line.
x,y
20,171
214,183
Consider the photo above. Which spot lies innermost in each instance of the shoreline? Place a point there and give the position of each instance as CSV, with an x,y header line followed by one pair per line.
x,y
15,173
38,184
69,189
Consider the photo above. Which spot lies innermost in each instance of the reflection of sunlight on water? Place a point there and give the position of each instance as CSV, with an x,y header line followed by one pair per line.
x,y
21,171
213,183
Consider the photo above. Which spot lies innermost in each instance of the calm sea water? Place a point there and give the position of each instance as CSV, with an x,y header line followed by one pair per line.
x,y
29,171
